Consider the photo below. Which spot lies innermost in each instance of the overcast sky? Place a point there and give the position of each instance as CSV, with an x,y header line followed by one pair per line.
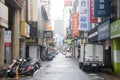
x,y
56,9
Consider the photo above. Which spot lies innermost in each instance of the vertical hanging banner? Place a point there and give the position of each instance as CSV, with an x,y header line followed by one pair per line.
x,y
92,18
67,2
84,15
32,10
75,24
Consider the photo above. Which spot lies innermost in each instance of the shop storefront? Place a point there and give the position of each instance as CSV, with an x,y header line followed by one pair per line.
x,y
115,36
93,35
104,38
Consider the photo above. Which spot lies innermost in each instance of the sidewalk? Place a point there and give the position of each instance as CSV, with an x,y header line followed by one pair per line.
x,y
106,73
110,75
42,63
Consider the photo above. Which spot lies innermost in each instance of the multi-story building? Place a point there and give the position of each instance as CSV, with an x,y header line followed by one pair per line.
x,y
22,25
58,25
10,20
36,42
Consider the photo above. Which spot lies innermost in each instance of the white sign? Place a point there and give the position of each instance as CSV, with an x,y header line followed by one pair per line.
x,y
84,15
7,36
93,34
27,30
3,15
32,10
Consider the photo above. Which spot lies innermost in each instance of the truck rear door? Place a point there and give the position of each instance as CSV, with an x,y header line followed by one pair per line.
x,y
99,53
89,52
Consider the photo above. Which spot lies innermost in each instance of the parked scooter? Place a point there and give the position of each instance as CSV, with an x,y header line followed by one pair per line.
x,y
36,64
11,72
26,68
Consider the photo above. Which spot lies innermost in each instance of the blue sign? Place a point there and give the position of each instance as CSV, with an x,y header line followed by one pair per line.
x,y
84,15
101,8
104,30
75,42
69,31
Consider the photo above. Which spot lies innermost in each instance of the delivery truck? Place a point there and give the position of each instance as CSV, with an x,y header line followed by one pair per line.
x,y
91,57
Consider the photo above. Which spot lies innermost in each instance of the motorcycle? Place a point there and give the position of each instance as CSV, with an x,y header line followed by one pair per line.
x,y
24,68
36,64
11,71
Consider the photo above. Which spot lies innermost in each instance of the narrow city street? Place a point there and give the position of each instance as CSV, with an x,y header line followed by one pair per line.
x,y
62,68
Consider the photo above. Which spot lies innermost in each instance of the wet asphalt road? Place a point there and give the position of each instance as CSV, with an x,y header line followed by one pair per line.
x,y
60,68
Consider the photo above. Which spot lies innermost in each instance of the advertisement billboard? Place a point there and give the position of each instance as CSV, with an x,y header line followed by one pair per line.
x,y
115,29
33,29
75,24
3,15
92,18
93,35
67,2
32,10
104,30
25,29
84,22
7,36
101,8
48,34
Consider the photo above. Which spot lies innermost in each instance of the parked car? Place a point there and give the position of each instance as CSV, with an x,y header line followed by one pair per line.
x,y
49,57
68,54
64,53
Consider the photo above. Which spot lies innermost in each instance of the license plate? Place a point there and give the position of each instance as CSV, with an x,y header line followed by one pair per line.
x,y
94,64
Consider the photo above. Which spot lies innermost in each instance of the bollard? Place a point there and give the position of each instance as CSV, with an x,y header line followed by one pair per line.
x,y
17,73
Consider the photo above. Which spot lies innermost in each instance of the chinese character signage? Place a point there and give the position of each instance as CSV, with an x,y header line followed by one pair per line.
x,y
101,8
32,10
93,35
84,15
25,29
75,24
7,36
67,2
92,18
3,15
69,31
103,30
32,40
115,29
48,34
